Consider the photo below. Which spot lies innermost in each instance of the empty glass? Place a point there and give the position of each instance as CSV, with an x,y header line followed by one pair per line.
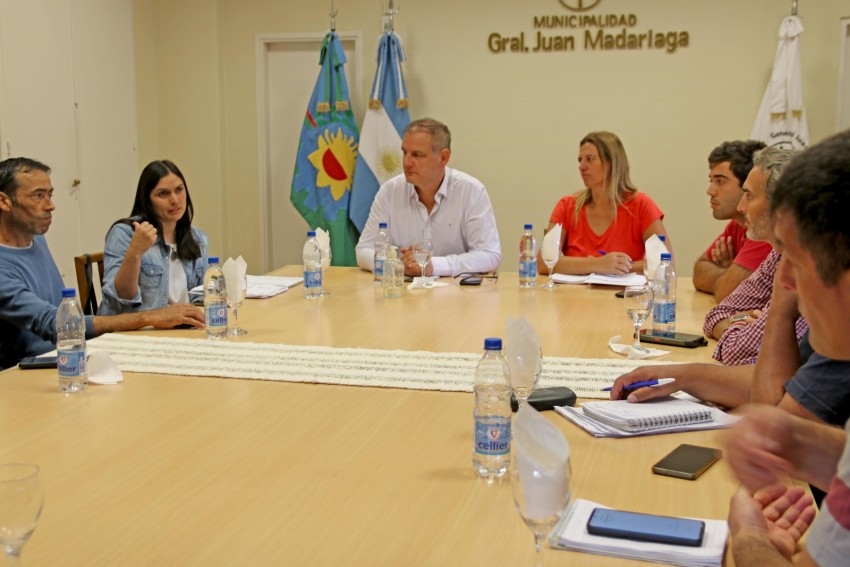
x,y
550,265
20,506
639,300
422,251
525,373
234,300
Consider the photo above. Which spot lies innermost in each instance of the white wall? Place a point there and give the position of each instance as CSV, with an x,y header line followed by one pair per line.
x,y
516,118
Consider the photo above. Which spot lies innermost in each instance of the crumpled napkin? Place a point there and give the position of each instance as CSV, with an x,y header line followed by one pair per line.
x,y
234,275
426,282
632,353
101,368
551,248
324,240
652,257
523,354
542,459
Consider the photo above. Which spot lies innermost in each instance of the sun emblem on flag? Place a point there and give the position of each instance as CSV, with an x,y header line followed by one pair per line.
x,y
334,159
388,163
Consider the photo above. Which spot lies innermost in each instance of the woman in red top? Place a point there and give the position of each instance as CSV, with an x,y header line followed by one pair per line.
x,y
604,226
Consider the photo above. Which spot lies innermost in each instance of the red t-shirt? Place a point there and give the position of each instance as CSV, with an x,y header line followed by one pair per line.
x,y
748,253
625,233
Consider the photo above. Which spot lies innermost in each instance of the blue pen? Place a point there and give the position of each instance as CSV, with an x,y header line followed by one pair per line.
x,y
601,252
636,385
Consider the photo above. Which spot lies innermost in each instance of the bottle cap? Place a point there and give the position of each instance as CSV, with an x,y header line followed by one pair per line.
x,y
492,344
212,260
528,227
382,225
666,256
311,233
69,292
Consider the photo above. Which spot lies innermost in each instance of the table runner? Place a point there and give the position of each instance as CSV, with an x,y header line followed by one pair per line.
x,y
418,370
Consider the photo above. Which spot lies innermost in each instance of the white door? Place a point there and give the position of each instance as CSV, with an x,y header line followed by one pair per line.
x,y
287,69
37,109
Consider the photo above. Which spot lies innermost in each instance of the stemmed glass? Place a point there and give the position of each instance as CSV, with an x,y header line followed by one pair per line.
x,y
525,373
422,250
326,261
550,265
20,506
540,496
234,300
639,300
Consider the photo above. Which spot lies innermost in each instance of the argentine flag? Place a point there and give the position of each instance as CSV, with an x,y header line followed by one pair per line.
x,y
379,154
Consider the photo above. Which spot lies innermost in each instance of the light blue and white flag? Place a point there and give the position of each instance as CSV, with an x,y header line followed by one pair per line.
x,y
379,154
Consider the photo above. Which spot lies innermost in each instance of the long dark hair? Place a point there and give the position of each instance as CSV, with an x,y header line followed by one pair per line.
x,y
187,247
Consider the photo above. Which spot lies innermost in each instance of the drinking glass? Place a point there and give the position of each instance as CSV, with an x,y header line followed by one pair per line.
x,y
326,261
525,373
234,300
422,250
20,506
639,300
540,496
550,265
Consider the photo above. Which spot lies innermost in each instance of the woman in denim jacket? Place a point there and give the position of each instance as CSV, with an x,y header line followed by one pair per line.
x,y
156,256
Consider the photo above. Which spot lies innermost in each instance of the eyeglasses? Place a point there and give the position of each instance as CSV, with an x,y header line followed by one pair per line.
x,y
470,277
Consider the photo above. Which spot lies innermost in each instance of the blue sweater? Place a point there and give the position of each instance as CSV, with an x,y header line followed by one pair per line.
x,y
30,293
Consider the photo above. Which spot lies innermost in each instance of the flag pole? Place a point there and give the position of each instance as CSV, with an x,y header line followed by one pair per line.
x,y
389,14
332,14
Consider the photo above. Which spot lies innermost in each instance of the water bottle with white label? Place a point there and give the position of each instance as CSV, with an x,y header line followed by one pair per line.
x,y
215,300
491,416
71,343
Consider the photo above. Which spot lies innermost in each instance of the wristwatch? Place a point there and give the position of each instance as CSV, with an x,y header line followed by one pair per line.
x,y
737,318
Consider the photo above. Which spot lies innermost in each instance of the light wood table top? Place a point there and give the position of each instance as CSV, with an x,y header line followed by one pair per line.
x,y
209,471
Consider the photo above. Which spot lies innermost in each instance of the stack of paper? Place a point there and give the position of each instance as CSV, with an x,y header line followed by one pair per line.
x,y
571,533
259,287
663,415
600,279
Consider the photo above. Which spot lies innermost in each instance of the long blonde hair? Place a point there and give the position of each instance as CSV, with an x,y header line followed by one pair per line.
x,y
612,153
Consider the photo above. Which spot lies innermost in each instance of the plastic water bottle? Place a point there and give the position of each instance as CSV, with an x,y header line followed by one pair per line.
x,y
491,448
664,286
381,243
527,258
215,300
312,258
71,343
393,282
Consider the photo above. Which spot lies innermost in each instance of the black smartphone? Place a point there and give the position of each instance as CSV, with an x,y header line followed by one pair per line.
x,y
646,527
470,280
31,362
687,461
673,339
544,399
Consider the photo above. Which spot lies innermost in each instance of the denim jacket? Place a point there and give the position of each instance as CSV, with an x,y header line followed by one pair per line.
x,y
153,272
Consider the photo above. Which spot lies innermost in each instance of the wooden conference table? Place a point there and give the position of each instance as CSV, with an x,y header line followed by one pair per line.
x,y
208,471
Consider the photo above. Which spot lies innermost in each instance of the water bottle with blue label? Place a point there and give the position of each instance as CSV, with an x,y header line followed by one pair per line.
x,y
71,343
527,258
491,448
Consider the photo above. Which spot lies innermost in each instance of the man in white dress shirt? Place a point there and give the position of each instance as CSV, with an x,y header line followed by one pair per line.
x,y
435,202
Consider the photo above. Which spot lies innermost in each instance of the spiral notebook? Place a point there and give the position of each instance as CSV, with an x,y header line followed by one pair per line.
x,y
620,418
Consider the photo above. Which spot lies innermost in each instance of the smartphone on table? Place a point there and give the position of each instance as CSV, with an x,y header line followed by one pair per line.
x,y
672,339
646,527
32,362
687,461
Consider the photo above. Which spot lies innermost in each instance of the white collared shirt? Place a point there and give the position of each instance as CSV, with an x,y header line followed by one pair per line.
x,y
461,226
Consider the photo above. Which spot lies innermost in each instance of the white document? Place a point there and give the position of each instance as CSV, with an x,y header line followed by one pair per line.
x,y
600,279
260,287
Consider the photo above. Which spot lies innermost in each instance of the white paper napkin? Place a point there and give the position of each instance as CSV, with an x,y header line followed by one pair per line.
x,y
427,282
542,459
523,353
551,248
234,275
654,248
324,240
102,369
632,353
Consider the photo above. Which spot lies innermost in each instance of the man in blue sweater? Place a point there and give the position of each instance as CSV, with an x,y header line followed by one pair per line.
x,y
30,283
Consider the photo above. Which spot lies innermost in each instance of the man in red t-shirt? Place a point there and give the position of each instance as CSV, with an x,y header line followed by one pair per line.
x,y
732,257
